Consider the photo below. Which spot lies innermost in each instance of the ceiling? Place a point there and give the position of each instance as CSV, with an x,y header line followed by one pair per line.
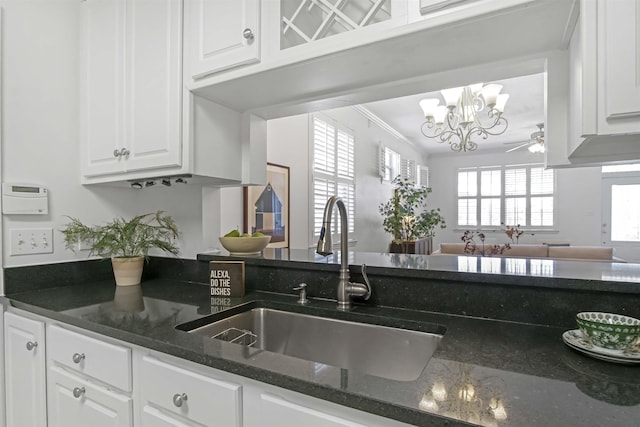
x,y
524,109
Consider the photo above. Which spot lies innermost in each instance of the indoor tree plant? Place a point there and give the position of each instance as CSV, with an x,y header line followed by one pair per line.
x,y
127,242
406,217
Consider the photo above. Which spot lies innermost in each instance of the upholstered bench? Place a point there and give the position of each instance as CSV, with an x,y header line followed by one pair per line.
x,y
579,253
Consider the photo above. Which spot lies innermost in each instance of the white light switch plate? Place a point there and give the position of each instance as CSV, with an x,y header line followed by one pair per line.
x,y
30,241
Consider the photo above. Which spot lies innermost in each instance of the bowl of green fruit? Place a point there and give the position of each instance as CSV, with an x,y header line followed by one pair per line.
x,y
244,244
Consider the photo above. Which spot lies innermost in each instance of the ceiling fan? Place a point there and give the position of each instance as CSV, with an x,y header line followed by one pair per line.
x,y
535,144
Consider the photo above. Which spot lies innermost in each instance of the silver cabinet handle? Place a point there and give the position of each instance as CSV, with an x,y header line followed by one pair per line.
x,y
78,357
179,399
123,152
78,391
31,345
247,34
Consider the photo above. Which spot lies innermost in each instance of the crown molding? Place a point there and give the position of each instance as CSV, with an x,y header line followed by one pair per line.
x,y
383,125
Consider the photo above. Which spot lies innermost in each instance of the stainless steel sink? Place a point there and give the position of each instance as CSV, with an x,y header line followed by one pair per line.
x,y
388,352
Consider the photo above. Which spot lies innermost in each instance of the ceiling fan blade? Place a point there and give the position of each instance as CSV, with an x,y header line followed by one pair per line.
x,y
526,144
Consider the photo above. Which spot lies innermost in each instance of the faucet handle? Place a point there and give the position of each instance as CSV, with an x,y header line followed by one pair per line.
x,y
366,281
302,287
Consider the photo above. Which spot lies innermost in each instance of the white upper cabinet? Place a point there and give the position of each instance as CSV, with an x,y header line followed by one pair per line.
x,y
131,85
604,99
619,66
137,123
154,86
221,34
102,86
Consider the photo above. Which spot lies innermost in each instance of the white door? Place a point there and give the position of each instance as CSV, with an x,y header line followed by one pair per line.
x,y
621,214
154,83
74,401
221,34
25,376
619,66
102,80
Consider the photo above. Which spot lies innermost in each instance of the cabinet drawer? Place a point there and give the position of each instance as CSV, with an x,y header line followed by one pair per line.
x,y
199,398
106,362
75,401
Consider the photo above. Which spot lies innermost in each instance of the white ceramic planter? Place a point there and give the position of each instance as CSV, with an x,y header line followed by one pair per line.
x,y
127,271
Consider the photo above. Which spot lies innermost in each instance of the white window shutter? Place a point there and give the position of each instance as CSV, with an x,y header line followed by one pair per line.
x,y
423,175
333,172
381,160
408,170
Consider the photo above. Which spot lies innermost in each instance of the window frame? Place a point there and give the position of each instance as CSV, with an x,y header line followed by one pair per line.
x,y
334,177
528,195
390,163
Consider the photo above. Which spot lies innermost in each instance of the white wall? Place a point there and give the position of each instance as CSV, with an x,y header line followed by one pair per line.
x,y
578,197
40,133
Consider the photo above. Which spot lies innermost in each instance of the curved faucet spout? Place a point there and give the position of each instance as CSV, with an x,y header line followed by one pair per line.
x,y
325,242
345,288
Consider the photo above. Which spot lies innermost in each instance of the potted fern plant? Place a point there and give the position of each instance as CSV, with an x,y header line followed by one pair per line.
x,y
127,242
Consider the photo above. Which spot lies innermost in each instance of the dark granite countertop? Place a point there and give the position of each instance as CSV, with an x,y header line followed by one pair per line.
x,y
565,274
480,363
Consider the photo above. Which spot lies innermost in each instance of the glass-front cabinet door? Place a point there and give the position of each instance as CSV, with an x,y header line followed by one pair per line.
x,y
305,21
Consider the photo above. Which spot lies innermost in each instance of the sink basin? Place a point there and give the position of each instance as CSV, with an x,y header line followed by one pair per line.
x,y
388,352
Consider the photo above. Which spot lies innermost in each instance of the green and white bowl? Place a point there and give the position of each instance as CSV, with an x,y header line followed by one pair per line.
x,y
607,330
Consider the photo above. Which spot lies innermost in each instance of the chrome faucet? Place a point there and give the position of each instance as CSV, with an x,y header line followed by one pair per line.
x,y
346,289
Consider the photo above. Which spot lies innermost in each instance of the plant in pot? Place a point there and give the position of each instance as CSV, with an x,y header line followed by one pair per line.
x,y
127,242
406,216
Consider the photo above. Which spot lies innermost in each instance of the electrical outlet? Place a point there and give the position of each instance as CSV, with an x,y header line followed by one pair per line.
x,y
30,241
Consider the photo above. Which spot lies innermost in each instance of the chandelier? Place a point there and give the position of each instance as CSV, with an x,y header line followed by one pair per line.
x,y
458,120
462,397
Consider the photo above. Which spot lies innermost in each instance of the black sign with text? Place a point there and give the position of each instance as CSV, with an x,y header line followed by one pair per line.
x,y
226,278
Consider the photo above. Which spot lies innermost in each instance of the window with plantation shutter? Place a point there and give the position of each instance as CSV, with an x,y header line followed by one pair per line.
x,y
333,172
390,164
467,197
423,175
506,195
408,170
541,197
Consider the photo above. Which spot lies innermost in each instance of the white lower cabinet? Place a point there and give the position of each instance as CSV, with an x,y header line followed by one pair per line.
x,y
89,381
269,406
274,410
75,401
86,379
25,374
176,396
90,357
